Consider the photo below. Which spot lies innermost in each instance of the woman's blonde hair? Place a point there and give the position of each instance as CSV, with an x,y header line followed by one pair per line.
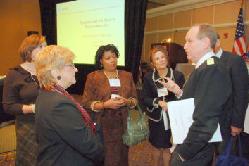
x,y
49,58
28,45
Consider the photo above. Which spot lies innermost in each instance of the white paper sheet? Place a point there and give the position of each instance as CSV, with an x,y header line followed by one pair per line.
x,y
180,115
165,120
246,124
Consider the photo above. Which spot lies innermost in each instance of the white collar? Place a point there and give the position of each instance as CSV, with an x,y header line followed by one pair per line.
x,y
204,58
219,53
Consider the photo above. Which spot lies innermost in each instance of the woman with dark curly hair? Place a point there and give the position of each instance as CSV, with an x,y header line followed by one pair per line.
x,y
109,93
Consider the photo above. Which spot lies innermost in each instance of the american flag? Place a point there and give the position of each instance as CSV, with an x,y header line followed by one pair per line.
x,y
239,46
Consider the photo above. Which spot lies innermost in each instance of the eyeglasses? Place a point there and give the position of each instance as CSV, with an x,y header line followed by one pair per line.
x,y
70,65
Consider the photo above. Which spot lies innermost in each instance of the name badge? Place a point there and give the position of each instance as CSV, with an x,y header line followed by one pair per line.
x,y
114,82
162,92
113,96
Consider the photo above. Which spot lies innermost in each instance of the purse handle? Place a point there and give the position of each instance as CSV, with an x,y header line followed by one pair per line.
x,y
229,146
137,108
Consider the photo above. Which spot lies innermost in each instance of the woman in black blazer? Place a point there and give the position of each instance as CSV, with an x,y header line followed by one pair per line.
x,y
65,132
155,98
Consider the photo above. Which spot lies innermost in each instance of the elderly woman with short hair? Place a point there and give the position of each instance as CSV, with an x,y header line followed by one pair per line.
x,y
65,132
19,94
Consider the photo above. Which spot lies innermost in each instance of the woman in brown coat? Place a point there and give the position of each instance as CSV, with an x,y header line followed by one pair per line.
x,y
109,93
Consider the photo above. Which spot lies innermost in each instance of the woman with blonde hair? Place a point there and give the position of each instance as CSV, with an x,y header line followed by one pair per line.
x,y
19,95
66,134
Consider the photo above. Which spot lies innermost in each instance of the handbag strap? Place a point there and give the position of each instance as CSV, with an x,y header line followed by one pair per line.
x,y
239,145
229,146
138,108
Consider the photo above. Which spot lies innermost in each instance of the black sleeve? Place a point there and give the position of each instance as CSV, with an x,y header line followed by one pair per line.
x,y
11,99
150,99
239,76
147,92
69,125
211,93
179,79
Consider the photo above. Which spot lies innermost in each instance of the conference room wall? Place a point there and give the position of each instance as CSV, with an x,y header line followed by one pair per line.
x,y
16,18
176,23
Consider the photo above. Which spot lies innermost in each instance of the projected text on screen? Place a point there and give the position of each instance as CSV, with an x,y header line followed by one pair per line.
x,y
84,25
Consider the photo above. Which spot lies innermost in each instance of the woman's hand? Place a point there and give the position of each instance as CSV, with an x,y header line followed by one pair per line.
x,y
115,103
130,102
164,105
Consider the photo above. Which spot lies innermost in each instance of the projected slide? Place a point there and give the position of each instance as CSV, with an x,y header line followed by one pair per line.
x,y
84,25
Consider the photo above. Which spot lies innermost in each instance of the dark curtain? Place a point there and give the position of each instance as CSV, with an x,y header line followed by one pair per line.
x,y
135,14
48,18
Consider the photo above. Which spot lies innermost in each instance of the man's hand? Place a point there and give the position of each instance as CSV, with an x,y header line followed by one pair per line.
x,y
172,87
235,130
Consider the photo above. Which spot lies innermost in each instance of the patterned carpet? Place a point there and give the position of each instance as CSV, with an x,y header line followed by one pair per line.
x,y
7,158
140,154
7,144
7,138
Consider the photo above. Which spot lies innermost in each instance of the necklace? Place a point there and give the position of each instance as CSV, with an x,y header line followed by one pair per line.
x,y
156,77
162,74
34,79
111,75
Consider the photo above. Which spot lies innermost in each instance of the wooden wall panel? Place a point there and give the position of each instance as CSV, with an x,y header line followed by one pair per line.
x,y
226,13
222,16
16,18
151,24
226,37
203,15
162,37
179,37
149,39
182,19
165,22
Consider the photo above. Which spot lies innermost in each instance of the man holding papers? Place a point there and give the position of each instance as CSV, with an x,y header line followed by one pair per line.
x,y
210,87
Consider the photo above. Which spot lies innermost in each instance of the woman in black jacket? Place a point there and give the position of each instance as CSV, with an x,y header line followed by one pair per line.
x,y
65,132
155,97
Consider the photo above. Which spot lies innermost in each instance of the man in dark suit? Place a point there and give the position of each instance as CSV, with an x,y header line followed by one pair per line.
x,y
210,86
233,121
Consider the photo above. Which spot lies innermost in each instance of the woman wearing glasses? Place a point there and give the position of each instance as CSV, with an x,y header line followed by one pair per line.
x,y
66,134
